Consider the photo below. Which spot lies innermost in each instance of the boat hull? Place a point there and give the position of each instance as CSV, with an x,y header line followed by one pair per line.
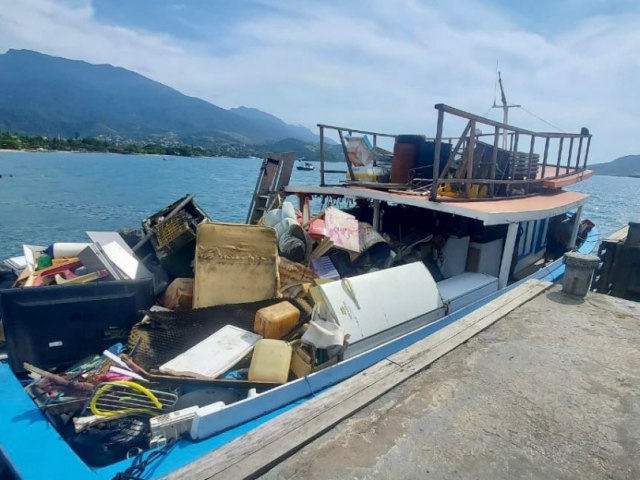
x,y
26,434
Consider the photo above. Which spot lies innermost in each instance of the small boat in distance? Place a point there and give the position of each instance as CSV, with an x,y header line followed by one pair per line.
x,y
305,166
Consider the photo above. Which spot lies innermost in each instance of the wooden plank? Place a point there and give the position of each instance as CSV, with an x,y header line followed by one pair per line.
x,y
454,152
346,156
494,159
470,152
322,172
620,236
559,157
257,451
436,156
567,180
545,157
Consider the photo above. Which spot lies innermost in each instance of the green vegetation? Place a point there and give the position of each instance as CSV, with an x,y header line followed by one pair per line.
x,y
310,152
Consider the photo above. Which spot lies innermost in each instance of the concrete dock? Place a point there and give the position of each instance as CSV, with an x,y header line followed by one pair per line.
x,y
552,390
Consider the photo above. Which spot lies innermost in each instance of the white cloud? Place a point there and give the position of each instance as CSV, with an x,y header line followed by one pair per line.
x,y
379,64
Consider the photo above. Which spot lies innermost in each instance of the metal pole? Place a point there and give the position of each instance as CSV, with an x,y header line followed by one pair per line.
x,y
322,156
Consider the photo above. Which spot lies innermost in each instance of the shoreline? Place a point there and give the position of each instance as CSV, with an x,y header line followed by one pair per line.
x,y
10,150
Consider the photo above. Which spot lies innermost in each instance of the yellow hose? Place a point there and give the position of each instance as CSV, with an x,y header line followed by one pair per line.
x,y
111,413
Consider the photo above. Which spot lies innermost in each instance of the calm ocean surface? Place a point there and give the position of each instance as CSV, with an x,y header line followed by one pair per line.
x,y
49,197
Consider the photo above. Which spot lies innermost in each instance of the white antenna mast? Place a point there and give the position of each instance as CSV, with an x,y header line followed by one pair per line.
x,y
505,110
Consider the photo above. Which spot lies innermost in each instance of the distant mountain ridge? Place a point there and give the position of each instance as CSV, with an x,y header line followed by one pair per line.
x,y
53,96
627,166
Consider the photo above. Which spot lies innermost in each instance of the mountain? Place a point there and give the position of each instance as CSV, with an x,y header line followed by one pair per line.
x,y
53,96
305,150
295,131
627,166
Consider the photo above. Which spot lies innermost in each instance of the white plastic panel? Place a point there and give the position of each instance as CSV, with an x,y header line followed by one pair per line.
x,y
368,304
214,355
464,289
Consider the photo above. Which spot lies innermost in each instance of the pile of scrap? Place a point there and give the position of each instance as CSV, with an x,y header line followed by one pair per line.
x,y
199,315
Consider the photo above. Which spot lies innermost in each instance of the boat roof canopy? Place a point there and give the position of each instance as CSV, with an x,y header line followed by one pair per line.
x,y
490,212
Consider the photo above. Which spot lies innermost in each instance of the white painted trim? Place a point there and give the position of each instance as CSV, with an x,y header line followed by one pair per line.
x,y
576,225
507,255
528,242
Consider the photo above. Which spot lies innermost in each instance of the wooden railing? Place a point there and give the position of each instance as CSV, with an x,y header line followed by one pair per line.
x,y
467,181
476,169
342,131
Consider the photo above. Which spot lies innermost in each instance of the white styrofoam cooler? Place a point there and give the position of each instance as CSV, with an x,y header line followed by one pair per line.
x,y
466,288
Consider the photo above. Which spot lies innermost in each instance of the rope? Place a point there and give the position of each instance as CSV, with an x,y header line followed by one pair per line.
x,y
542,119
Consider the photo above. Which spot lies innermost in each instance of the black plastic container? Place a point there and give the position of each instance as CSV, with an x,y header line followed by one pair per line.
x,y
55,326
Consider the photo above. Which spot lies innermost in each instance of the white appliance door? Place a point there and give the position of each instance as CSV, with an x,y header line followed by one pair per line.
x,y
371,303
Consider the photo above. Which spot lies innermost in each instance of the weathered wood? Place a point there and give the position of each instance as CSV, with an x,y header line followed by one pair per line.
x,y
545,158
559,157
274,175
494,159
470,150
619,236
570,153
322,156
436,156
579,153
257,451
455,151
490,182
366,132
586,153
530,161
493,123
346,156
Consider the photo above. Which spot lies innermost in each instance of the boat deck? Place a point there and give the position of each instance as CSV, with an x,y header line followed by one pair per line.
x,y
490,212
549,391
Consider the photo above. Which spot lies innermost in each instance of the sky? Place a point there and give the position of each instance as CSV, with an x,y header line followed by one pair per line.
x,y
379,64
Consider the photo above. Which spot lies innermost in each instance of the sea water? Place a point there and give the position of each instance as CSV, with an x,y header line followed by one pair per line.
x,y
56,197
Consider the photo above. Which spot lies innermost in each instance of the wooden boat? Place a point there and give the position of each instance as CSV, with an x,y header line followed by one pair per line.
x,y
473,185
